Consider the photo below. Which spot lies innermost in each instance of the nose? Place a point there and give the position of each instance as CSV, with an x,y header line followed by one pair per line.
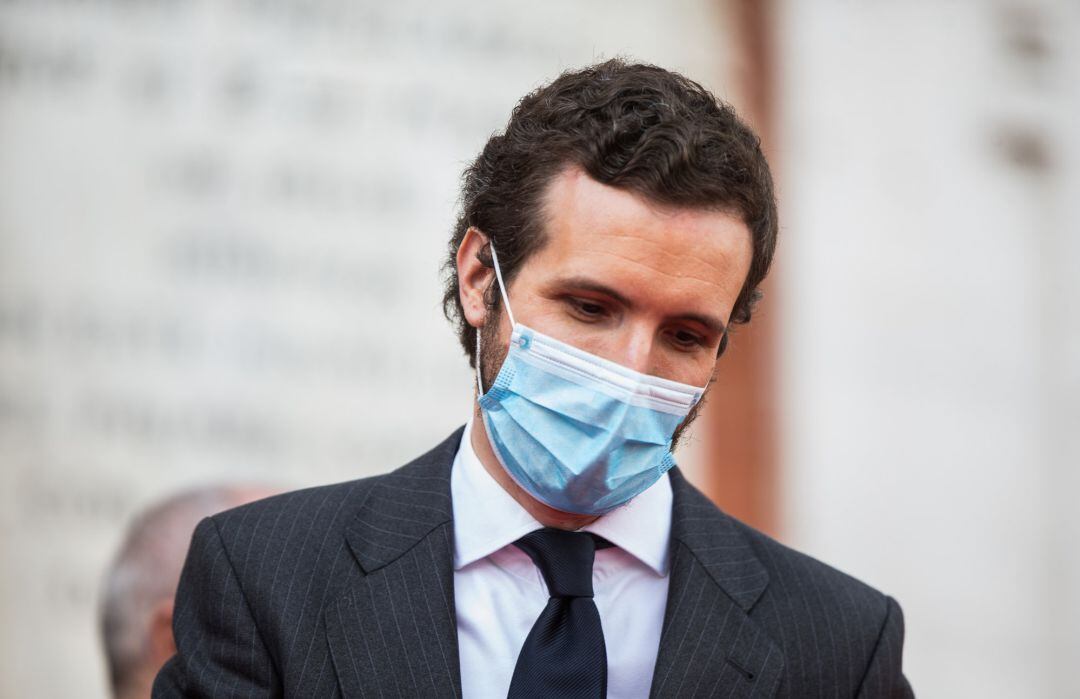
x,y
637,349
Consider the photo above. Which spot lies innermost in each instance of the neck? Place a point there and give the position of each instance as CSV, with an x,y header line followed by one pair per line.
x,y
548,516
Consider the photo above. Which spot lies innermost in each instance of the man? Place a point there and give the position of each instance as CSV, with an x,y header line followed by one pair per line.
x,y
137,598
609,237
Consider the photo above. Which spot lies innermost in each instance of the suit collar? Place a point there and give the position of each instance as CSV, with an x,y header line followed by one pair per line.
x,y
715,540
394,632
406,505
708,643
403,507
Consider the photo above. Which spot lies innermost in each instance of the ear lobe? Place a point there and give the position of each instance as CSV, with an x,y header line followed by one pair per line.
x,y
473,277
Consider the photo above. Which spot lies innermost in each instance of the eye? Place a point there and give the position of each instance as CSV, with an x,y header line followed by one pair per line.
x,y
586,309
686,339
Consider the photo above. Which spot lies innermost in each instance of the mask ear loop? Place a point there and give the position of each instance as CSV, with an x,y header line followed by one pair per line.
x,y
502,287
506,302
479,383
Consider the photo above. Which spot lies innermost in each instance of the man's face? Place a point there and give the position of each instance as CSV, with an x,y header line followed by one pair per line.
x,y
646,286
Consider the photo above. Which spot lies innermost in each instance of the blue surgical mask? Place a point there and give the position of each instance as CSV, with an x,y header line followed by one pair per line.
x,y
579,433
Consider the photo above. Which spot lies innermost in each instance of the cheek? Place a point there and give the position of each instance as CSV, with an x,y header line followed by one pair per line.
x,y
694,370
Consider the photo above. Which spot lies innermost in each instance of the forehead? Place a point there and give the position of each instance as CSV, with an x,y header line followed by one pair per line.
x,y
621,239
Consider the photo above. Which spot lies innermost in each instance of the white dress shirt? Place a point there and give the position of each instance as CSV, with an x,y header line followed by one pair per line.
x,y
499,592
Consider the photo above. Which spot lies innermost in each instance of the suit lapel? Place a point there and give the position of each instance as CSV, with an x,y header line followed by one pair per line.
x,y
709,645
394,633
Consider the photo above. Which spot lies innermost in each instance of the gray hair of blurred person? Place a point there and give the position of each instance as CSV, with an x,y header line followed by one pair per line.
x,y
139,587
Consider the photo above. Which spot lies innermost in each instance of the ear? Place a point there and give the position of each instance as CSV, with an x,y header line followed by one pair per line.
x,y
162,643
473,277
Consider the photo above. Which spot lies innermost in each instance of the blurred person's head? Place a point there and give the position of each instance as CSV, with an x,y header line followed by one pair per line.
x,y
619,198
137,601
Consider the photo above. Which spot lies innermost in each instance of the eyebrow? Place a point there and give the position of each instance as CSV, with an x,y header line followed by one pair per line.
x,y
713,324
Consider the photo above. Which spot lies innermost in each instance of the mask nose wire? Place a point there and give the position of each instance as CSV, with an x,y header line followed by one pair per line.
x,y
510,313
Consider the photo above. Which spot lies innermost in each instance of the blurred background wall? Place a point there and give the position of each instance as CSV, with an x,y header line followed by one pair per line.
x,y
930,353
221,225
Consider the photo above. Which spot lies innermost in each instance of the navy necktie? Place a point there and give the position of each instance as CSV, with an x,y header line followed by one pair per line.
x,y
564,653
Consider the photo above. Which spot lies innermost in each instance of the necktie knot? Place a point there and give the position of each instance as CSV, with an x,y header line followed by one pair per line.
x,y
565,559
564,654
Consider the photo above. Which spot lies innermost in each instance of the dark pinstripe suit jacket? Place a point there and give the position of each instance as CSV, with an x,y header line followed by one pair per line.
x,y
347,590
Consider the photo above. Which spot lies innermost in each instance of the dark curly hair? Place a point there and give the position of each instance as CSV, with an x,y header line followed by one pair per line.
x,y
636,127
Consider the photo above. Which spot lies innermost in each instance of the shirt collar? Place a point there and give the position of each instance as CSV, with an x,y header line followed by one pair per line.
x,y
487,518
641,527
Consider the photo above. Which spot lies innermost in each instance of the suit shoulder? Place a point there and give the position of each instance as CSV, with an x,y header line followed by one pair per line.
x,y
797,576
319,510
288,524
827,621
